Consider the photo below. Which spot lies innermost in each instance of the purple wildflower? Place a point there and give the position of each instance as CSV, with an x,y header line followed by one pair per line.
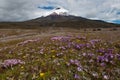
x,y
74,62
84,54
76,76
110,50
11,62
106,77
79,68
69,45
63,47
94,41
41,51
102,64
60,38
118,56
90,54
107,57
100,59
88,45
101,51
71,61
91,60
59,54
79,46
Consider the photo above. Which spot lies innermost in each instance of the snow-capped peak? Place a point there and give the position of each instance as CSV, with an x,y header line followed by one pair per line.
x,y
58,11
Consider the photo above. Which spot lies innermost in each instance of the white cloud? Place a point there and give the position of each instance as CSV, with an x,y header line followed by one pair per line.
x,y
16,10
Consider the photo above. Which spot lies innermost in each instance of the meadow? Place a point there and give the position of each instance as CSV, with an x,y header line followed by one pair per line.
x,y
60,54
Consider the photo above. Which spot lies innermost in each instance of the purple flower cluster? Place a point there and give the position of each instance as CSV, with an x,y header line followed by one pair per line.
x,y
79,46
27,41
88,55
105,58
74,62
94,41
11,62
77,64
101,51
61,38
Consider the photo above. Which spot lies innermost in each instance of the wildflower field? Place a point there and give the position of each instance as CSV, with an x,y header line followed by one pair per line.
x,y
60,55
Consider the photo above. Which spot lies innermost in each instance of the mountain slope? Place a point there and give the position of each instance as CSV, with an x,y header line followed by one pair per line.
x,y
57,20
70,21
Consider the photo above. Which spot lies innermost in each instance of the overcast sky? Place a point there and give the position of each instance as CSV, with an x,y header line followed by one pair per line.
x,y
18,10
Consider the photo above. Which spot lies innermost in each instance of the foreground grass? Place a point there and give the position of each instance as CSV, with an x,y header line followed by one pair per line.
x,y
69,57
84,56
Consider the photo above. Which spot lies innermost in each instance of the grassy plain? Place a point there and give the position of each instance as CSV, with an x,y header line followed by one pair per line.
x,y
60,54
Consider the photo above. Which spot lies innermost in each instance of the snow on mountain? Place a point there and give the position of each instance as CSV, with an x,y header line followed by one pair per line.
x,y
58,11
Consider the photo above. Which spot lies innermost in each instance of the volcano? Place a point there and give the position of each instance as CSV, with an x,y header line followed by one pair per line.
x,y
59,18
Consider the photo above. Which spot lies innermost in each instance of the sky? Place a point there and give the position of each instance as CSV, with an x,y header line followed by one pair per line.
x,y
20,10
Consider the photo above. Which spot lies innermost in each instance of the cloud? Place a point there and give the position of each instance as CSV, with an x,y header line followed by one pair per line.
x,y
14,10
18,10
